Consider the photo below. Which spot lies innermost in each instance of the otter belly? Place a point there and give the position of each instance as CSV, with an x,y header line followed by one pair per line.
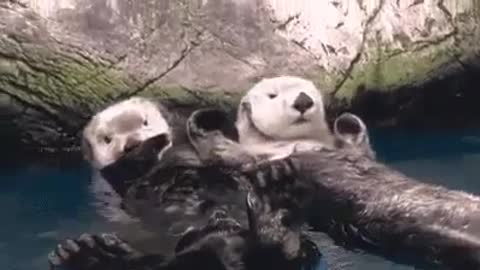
x,y
170,200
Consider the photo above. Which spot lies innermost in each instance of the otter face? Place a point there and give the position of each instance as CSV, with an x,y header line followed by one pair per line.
x,y
120,128
284,108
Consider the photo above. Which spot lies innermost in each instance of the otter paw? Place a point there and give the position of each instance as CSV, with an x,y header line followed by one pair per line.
x,y
231,154
308,146
92,252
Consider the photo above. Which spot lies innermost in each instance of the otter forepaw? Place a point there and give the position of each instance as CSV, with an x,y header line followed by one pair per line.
x,y
231,154
308,146
92,252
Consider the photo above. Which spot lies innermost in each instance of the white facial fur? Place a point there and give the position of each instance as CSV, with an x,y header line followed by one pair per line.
x,y
269,108
106,135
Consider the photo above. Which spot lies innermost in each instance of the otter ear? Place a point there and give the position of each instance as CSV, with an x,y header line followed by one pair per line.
x,y
164,112
86,148
243,116
350,129
245,109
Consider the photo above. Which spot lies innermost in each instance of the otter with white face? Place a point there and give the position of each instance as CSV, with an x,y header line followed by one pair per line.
x,y
120,128
275,118
282,109
108,139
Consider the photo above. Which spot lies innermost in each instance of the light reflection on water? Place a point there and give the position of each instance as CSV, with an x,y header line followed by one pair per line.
x,y
41,205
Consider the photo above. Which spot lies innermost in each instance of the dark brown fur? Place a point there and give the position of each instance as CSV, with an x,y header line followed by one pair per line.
x,y
219,245
363,203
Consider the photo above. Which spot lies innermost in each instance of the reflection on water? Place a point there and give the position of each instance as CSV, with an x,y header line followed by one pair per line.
x,y
41,205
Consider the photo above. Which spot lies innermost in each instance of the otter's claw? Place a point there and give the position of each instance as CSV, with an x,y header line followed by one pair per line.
x,y
92,252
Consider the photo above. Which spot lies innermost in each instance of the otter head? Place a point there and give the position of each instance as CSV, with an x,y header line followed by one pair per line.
x,y
282,108
350,132
121,128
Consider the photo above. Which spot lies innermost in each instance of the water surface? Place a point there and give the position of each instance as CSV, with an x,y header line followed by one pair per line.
x,y
42,204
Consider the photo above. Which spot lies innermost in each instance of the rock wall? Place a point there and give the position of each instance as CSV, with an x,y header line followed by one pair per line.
x,y
60,60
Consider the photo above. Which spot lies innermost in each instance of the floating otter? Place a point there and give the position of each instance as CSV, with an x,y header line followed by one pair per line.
x,y
272,240
114,132
125,141
151,174
363,203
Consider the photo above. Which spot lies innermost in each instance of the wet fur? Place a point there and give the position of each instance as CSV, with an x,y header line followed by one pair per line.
x,y
113,170
170,194
179,190
344,191
223,243
363,203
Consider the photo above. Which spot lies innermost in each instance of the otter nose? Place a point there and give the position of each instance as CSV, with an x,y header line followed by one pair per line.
x,y
130,145
303,102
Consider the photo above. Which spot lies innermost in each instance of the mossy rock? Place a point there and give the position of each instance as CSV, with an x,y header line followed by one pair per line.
x,y
58,65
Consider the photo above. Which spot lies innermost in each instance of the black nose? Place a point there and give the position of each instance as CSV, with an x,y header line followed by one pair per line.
x,y
130,145
303,102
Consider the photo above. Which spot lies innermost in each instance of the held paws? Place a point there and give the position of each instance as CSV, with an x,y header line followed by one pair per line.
x,y
92,252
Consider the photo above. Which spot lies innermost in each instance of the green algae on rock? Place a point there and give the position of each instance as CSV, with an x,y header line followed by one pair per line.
x,y
60,61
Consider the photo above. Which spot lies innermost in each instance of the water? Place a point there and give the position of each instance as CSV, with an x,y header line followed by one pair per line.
x,y
41,205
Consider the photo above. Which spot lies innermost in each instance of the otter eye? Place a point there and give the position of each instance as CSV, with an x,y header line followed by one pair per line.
x,y
145,122
107,139
272,96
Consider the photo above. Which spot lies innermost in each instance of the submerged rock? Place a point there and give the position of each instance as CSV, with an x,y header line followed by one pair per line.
x,y
392,62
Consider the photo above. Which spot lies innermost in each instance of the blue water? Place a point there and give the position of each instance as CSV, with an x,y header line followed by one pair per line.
x,y
41,205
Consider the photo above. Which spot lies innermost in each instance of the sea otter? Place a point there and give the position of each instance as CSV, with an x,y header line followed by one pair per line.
x,y
151,174
113,133
363,203
360,202
124,143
